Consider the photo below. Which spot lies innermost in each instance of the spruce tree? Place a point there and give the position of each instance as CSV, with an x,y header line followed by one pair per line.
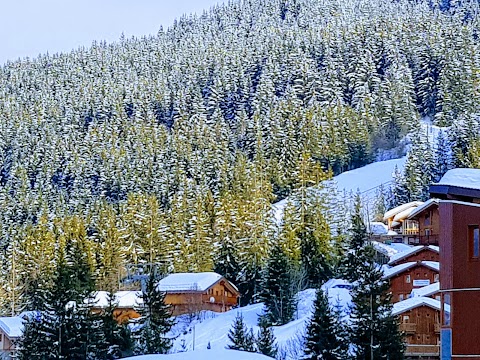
x,y
276,291
357,239
266,340
240,337
324,338
155,321
375,331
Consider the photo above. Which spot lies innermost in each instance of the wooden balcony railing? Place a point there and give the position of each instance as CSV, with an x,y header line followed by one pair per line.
x,y
409,328
429,239
422,350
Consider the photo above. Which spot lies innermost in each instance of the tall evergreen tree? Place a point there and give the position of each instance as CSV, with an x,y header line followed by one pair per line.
x,y
375,330
325,336
155,321
266,340
276,288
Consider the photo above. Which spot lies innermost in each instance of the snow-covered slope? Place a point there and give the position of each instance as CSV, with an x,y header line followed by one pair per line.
x,y
205,355
214,327
365,180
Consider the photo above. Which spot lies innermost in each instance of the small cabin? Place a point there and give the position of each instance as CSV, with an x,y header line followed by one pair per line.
x,y
192,292
126,302
11,330
416,253
406,277
419,319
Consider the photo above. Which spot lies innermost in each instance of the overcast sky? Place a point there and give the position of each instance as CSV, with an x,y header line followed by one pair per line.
x,y
31,27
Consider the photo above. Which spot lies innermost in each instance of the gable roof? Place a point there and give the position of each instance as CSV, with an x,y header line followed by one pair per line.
x,y
404,254
425,206
190,282
426,291
412,303
392,212
398,269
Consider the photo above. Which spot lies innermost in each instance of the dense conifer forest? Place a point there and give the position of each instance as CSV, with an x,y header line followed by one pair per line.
x,y
171,148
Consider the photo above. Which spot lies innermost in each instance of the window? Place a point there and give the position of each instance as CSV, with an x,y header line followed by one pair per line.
x,y
407,279
436,278
474,240
438,297
406,318
427,219
400,297
446,305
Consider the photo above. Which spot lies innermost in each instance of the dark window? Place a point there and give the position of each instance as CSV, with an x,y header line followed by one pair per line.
x,y
474,240
446,309
427,219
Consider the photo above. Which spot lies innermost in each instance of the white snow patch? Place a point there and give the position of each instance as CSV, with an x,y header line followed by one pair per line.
x,y
426,291
220,354
188,281
465,178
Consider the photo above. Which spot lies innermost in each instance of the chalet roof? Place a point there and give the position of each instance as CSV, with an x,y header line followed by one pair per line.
x,y
390,249
458,182
426,205
412,303
415,249
124,299
392,212
398,269
426,291
188,282
12,326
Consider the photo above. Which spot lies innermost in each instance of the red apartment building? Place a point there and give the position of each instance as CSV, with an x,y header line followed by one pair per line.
x,y
459,213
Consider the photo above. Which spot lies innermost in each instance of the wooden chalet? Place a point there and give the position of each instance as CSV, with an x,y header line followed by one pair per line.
x,y
405,230
193,292
428,219
126,303
408,276
420,321
416,253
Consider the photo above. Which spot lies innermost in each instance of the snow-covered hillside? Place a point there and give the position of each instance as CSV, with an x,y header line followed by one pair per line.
x,y
205,355
214,327
365,180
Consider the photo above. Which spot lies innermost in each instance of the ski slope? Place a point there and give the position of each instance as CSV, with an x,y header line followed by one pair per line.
x,y
205,355
365,180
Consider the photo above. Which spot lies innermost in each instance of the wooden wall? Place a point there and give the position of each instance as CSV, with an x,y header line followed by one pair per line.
x,y
421,326
399,284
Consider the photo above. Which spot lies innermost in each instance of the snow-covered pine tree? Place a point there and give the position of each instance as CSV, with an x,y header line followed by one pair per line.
x,y
375,331
240,337
265,341
324,339
349,265
276,288
154,323
443,156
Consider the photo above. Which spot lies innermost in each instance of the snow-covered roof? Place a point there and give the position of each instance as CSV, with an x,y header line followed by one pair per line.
x,y
124,299
425,206
465,178
12,326
378,228
390,249
186,282
426,291
395,270
403,215
412,303
392,212
337,284
411,251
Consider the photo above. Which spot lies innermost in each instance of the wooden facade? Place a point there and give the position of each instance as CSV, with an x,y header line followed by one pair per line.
x,y
7,346
421,326
415,276
428,218
460,278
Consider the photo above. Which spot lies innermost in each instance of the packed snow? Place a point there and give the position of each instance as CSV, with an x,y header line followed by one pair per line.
x,y
12,326
220,354
426,291
404,208
411,251
392,249
123,299
412,303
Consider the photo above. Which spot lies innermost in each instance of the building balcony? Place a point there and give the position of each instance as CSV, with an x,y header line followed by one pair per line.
x,y
408,328
429,239
422,350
